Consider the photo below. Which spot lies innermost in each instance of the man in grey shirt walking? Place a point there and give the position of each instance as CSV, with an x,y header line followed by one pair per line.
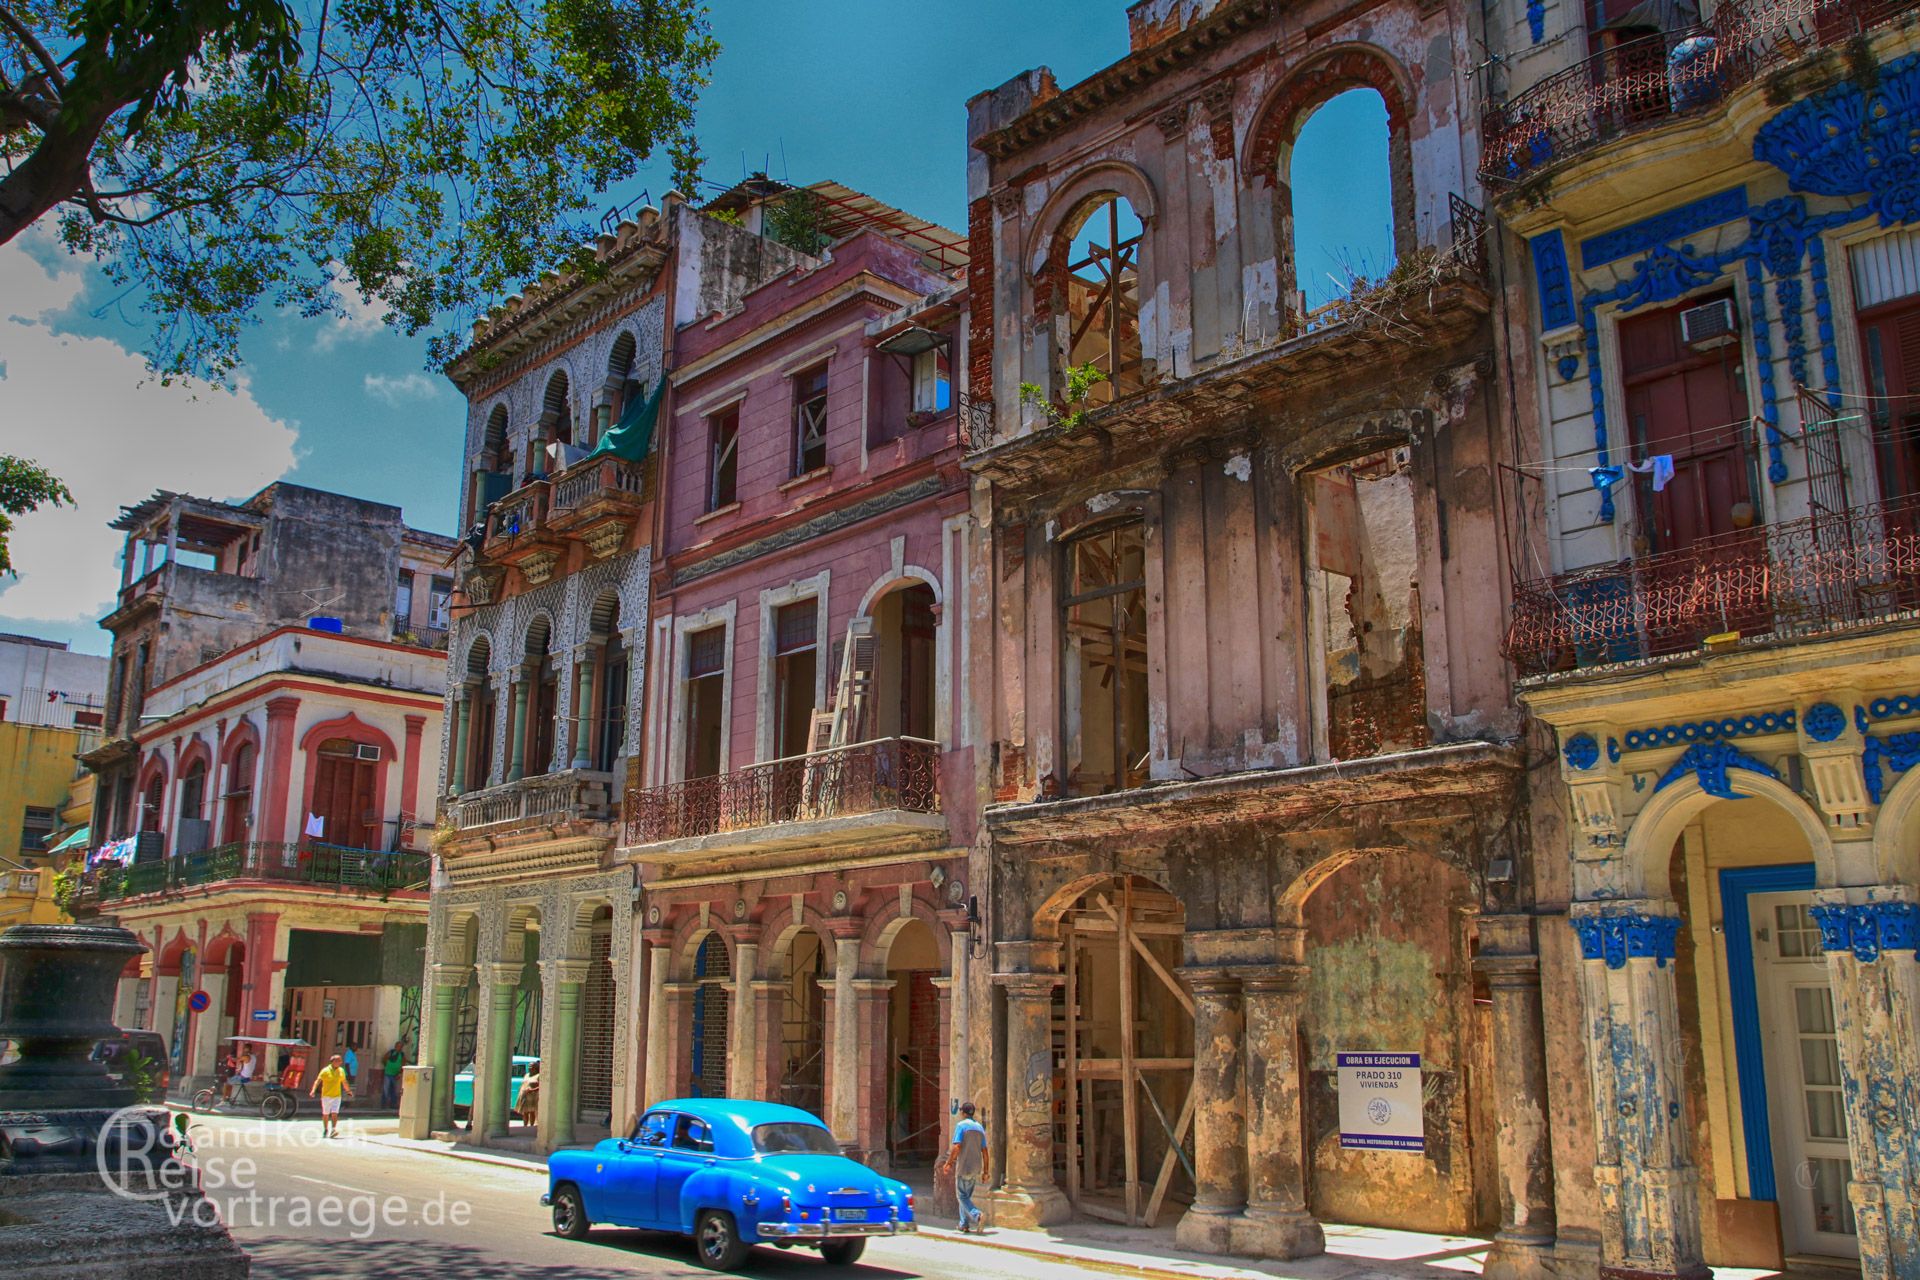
x,y
967,1161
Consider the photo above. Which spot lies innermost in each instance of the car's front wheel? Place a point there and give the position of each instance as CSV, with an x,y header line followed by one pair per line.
x,y
718,1241
842,1253
569,1214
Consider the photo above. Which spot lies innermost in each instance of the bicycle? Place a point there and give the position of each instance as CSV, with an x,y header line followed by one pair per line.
x,y
275,1101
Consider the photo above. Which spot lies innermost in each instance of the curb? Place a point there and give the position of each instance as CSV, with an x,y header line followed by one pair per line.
x,y
1094,1263
477,1157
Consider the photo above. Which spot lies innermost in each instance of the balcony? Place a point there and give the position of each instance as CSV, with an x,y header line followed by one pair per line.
x,y
1644,83
1800,579
597,501
517,533
882,790
330,866
573,795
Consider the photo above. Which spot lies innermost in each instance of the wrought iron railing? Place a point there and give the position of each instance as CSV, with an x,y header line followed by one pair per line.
x,y
1644,82
1799,578
519,513
310,862
866,777
588,480
549,797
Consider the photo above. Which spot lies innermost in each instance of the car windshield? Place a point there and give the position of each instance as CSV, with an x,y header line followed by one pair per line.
x,y
793,1136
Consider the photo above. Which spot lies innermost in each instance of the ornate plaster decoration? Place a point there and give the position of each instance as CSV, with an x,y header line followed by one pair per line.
x,y
1898,752
1672,735
1868,929
1581,751
1613,939
1709,761
1824,722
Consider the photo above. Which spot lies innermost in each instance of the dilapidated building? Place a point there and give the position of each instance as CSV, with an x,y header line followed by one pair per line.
x,y
1716,254
1253,794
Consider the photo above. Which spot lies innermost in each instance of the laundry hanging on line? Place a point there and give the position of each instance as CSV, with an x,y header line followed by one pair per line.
x,y
1660,464
316,826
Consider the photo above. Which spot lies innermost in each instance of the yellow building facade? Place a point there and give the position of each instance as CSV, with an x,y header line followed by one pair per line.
x,y
37,769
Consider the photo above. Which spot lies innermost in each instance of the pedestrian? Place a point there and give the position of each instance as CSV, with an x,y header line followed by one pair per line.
x,y
528,1103
390,1080
332,1087
967,1161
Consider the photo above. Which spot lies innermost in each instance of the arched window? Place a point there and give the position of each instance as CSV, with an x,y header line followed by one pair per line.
x,y
151,803
193,792
619,386
543,699
477,765
237,807
1340,174
603,715
1102,302
556,415
493,477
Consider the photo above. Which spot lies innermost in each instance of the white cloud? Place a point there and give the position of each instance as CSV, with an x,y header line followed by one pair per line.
x,y
360,318
86,409
411,386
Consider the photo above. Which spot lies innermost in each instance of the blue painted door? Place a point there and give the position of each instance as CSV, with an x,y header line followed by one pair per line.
x,y
690,1151
630,1179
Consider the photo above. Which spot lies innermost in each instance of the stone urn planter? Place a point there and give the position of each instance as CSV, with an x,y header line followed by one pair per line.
x,y
57,983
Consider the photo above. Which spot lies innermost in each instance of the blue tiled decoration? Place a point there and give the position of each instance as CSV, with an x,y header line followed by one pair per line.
x,y
1669,224
1552,278
1898,752
1747,726
1868,929
1824,722
1709,761
1537,20
1615,938
1581,751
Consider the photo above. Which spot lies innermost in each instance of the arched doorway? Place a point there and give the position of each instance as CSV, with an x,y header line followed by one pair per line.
x,y
711,1007
476,751
1389,946
1123,1022
542,694
914,1047
904,622
604,676
803,1030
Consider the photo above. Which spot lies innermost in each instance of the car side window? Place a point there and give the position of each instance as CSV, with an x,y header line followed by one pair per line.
x,y
653,1129
692,1135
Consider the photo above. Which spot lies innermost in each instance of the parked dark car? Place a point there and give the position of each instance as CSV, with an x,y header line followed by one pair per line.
x,y
115,1051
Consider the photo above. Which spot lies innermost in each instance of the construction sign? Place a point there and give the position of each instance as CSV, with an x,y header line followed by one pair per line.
x,y
1380,1105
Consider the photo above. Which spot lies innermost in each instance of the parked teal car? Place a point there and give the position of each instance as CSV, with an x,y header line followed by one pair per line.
x,y
731,1174
463,1084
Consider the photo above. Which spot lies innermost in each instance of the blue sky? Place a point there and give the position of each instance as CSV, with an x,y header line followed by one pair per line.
x,y
868,92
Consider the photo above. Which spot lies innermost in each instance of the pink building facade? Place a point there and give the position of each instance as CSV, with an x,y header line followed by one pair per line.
x,y
801,855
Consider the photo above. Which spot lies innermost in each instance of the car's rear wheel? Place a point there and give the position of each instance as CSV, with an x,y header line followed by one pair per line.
x,y
718,1241
843,1253
569,1214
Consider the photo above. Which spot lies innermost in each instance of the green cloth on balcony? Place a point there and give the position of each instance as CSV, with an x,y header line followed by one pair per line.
x,y
76,840
631,438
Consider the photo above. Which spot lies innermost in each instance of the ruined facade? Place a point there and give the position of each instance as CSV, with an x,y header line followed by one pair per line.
x,y
1715,306
1253,796
802,866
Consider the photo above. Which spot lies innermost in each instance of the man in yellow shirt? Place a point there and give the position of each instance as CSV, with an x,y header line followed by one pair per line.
x,y
331,1085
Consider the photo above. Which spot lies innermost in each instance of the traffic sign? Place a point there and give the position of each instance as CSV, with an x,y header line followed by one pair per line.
x,y
199,1001
264,1015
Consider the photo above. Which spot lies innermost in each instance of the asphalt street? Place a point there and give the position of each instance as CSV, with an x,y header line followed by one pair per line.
x,y
304,1206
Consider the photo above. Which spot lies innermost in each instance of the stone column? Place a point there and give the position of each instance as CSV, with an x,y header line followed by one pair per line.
x,y
657,1079
456,749
678,1065
445,981
557,1080
1276,1223
872,1070
1029,1196
517,743
770,1066
1649,1189
1523,1247
961,1015
743,1052
493,1084
1876,1015
843,1080
1219,1114
583,716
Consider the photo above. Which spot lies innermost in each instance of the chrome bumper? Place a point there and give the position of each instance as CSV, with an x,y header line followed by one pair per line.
x,y
831,1230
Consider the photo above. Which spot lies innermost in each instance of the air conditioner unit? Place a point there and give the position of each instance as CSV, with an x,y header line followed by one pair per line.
x,y
1709,325
366,751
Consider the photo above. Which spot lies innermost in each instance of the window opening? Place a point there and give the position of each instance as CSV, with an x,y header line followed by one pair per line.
x,y
810,420
932,381
723,459
796,650
403,601
36,825
238,807
1366,605
1104,686
440,604
1103,298
1342,229
706,671
613,703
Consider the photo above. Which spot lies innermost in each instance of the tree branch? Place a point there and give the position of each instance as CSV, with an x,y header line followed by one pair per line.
x,y
26,36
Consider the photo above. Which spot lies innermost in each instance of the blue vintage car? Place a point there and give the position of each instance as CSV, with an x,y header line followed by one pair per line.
x,y
730,1174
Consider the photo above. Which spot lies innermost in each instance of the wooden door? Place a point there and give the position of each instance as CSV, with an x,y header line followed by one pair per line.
x,y
343,799
1890,347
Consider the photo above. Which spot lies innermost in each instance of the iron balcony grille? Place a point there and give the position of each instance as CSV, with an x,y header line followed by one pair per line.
x,y
312,863
1800,578
1641,83
866,777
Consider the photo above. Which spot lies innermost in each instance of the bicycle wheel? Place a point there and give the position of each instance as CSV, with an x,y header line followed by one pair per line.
x,y
276,1106
204,1100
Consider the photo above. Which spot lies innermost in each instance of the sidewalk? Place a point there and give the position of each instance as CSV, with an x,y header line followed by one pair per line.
x,y
1353,1253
